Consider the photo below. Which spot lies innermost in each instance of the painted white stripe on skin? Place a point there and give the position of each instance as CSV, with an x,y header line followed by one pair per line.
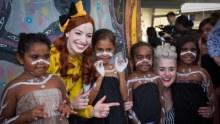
x,y
139,79
40,60
104,54
183,53
206,82
10,120
141,61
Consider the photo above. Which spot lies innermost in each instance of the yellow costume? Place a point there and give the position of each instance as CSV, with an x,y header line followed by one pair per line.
x,y
73,86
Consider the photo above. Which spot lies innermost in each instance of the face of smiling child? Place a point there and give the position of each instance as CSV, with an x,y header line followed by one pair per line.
x,y
104,50
188,53
143,59
36,59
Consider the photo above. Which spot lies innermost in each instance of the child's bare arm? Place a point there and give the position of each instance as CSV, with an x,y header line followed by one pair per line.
x,y
211,95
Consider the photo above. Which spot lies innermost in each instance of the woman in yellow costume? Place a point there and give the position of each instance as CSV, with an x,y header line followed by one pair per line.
x,y
71,58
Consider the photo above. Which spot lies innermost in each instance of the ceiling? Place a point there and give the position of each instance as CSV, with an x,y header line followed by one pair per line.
x,y
171,3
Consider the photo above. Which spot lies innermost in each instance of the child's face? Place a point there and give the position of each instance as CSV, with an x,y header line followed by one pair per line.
x,y
36,59
79,38
104,50
143,58
188,53
166,69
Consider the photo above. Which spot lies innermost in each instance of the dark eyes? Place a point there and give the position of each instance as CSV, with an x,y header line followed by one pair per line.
x,y
36,57
186,49
107,50
142,57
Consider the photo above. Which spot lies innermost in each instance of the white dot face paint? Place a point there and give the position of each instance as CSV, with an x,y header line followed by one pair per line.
x,y
40,60
105,53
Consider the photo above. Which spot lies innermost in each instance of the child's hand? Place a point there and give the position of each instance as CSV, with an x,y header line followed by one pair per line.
x,y
100,68
120,64
101,110
128,105
35,113
65,110
81,101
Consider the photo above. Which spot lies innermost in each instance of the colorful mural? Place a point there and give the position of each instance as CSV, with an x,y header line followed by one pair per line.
x,y
42,16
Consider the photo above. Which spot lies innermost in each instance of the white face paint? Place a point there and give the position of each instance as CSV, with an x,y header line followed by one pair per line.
x,y
183,53
104,54
144,60
40,60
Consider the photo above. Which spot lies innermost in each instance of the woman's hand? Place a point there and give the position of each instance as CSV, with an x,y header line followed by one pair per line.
x,y
65,110
81,101
35,113
100,68
205,112
128,105
101,110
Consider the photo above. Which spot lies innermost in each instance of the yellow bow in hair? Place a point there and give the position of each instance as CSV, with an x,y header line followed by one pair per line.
x,y
75,10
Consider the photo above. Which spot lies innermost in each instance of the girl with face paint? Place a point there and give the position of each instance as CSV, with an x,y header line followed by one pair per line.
x,y
34,96
193,95
110,78
145,87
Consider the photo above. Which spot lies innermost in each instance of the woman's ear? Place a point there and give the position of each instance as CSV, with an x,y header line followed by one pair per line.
x,y
67,34
20,59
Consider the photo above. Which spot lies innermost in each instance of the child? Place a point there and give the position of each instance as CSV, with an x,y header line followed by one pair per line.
x,y
110,78
193,92
35,97
143,86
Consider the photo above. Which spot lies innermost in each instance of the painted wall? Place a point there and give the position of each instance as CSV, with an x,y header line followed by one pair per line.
x,y
42,16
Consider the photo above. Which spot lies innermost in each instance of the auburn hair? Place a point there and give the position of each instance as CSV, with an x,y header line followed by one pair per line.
x,y
87,62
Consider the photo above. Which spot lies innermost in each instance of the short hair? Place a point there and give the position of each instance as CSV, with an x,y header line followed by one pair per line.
x,y
164,51
171,14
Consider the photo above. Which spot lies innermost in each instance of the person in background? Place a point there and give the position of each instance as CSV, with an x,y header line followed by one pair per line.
x,y
206,61
213,43
182,25
71,58
153,39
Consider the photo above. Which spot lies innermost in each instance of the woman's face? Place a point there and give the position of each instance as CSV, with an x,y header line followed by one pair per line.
x,y
188,53
166,69
79,38
205,31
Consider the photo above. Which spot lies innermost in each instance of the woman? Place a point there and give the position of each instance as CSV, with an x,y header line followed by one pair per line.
x,y
66,60
165,65
165,59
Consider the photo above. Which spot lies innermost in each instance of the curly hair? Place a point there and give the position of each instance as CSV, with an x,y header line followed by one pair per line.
x,y
26,40
164,51
61,45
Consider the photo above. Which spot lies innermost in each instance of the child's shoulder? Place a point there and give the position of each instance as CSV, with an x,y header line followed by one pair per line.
x,y
132,75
